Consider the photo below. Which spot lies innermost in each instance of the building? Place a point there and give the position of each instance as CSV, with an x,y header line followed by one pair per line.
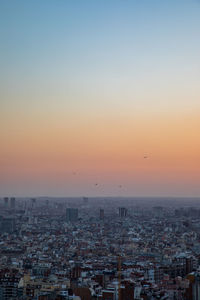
x,y
101,214
71,214
7,225
6,202
9,284
158,211
196,287
122,212
33,203
12,203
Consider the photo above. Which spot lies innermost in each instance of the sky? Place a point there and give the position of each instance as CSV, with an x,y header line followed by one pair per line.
x,y
100,98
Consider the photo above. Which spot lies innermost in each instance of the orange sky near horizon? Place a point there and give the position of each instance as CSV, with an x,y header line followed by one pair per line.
x,y
103,148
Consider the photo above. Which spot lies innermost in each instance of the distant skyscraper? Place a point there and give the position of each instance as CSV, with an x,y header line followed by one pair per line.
x,y
122,212
33,203
71,214
101,214
6,202
12,203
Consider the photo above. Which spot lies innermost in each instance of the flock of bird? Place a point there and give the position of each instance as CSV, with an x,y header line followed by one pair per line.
x,y
119,186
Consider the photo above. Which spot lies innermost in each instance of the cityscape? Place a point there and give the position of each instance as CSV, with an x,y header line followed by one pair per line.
x,y
95,248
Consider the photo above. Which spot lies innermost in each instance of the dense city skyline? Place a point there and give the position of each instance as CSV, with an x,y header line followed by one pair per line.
x,y
100,98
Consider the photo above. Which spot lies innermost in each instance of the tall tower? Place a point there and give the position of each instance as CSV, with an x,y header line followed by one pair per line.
x,y
101,213
71,214
6,202
33,203
122,212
